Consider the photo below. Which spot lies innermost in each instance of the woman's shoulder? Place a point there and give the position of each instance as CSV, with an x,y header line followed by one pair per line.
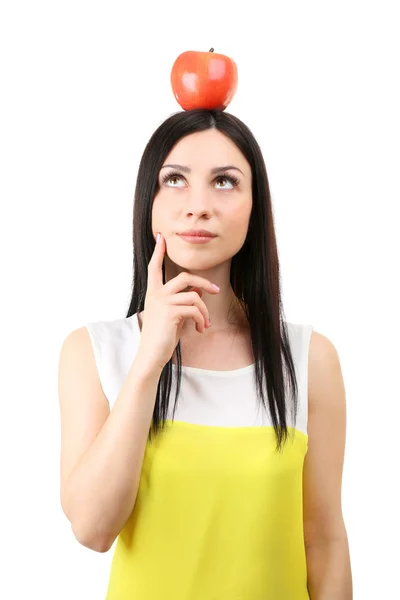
x,y
324,369
112,327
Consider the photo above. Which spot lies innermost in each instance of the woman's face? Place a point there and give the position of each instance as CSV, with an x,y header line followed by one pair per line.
x,y
201,199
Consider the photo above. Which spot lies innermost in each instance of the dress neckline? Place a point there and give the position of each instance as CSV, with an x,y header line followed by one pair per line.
x,y
196,370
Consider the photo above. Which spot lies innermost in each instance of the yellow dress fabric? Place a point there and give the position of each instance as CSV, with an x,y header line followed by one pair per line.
x,y
218,516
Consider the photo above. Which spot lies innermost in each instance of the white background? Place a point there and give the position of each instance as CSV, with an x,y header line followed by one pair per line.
x,y
83,86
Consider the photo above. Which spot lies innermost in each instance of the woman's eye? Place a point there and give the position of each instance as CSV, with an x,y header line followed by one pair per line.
x,y
226,180
171,178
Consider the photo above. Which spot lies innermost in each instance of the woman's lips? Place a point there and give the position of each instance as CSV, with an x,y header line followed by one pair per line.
x,y
196,239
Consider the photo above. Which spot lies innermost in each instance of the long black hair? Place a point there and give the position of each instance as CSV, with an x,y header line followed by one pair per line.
x,y
254,276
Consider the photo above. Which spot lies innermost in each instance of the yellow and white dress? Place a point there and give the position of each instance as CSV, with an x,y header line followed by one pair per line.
x,y
218,514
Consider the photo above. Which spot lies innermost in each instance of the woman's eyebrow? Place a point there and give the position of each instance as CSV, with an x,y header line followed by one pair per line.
x,y
213,171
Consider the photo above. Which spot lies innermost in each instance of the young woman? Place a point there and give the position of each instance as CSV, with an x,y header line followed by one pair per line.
x,y
213,455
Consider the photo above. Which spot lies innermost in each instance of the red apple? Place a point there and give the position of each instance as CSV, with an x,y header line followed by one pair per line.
x,y
204,80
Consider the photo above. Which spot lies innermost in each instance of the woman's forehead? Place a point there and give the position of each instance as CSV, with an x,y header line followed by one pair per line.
x,y
207,150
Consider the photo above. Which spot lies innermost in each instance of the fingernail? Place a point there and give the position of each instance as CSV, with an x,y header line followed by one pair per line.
x,y
216,287
209,323
158,238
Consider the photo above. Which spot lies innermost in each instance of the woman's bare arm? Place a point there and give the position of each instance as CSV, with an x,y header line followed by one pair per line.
x,y
101,451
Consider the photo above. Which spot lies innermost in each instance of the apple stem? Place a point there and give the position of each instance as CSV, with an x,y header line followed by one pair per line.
x,y
211,50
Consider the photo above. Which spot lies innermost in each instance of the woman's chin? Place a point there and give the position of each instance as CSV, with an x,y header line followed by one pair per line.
x,y
191,263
